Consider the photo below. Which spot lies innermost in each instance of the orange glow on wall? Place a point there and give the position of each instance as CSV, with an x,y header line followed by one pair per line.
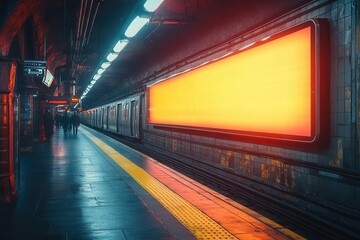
x,y
268,89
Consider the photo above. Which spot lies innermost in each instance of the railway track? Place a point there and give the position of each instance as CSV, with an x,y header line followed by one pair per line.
x,y
306,223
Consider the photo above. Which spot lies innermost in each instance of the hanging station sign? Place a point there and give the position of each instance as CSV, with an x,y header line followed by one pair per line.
x,y
34,68
48,79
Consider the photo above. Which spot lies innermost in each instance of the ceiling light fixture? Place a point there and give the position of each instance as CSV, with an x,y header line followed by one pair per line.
x,y
120,45
100,71
96,77
152,5
112,56
105,65
135,26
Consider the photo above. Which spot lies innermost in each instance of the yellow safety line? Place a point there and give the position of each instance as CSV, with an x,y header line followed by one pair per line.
x,y
280,228
198,223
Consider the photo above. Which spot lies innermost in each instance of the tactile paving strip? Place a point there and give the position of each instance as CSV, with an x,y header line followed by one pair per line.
x,y
198,223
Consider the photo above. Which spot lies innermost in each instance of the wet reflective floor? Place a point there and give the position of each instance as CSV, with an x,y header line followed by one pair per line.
x,y
89,186
71,190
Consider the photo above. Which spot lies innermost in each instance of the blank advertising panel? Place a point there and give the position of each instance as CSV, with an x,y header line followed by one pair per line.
x,y
267,90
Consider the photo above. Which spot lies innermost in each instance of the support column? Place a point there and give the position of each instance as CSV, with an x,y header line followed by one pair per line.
x,y
7,83
26,120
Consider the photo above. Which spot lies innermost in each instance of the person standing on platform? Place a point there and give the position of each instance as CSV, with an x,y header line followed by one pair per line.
x,y
48,125
65,122
75,121
57,120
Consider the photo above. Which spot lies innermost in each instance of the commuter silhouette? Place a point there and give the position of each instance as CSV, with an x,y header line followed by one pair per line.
x,y
57,120
65,122
75,121
48,125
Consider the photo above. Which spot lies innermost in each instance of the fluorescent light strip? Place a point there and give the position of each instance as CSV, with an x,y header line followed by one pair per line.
x,y
135,26
152,5
112,56
96,77
120,45
105,65
100,71
131,31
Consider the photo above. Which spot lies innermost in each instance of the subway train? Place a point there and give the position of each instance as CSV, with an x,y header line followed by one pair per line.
x,y
122,117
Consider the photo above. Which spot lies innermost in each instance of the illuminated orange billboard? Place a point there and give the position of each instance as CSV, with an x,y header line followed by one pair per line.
x,y
269,90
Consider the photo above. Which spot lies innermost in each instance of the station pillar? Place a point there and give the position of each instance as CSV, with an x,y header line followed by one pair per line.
x,y
7,168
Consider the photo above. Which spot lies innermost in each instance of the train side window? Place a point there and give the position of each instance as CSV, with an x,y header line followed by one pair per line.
x,y
126,111
107,117
133,118
119,117
112,112
102,118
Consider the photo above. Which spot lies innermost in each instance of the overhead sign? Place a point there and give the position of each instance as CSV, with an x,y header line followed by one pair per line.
x,y
34,68
75,99
48,79
58,101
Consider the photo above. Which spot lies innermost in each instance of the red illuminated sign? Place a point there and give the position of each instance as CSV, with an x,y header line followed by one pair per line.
x,y
57,102
269,90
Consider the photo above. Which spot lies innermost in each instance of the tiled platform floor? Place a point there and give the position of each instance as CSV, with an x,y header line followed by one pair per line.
x,y
69,190
74,188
